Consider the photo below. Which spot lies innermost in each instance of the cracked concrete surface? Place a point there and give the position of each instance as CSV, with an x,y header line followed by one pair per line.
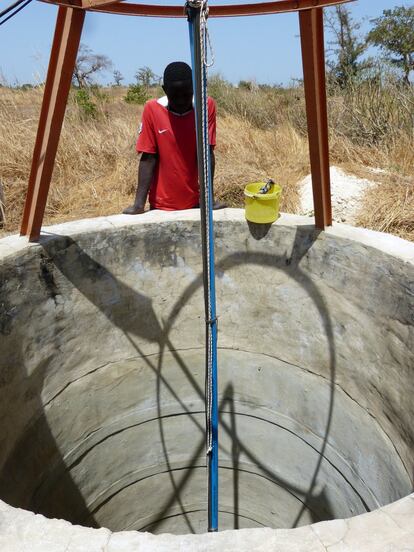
x,y
101,387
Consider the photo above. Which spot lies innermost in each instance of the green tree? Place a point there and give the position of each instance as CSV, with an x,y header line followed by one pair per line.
x,y
393,32
348,47
87,107
137,94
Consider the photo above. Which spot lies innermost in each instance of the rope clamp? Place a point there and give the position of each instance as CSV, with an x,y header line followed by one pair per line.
x,y
212,321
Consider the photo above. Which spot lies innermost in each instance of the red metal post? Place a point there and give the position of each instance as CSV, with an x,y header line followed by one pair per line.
x,y
62,61
313,58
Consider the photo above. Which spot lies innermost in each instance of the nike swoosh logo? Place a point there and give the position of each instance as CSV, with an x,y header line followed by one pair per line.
x,y
162,131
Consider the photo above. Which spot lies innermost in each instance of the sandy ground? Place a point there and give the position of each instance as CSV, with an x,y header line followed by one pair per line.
x,y
347,191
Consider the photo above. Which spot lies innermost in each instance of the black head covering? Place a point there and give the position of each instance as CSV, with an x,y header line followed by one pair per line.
x,y
177,71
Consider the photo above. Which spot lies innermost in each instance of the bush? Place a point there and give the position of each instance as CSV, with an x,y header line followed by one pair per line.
x,y
25,86
99,94
137,94
87,107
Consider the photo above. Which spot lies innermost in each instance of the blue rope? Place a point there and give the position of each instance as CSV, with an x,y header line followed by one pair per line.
x,y
201,103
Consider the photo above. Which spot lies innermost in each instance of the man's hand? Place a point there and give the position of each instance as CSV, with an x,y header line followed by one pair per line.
x,y
133,210
146,170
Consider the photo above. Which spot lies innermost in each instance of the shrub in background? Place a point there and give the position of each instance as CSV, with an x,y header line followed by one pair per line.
x,y
91,102
87,107
136,94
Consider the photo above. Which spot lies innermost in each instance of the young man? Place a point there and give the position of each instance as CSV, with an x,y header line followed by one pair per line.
x,y
167,140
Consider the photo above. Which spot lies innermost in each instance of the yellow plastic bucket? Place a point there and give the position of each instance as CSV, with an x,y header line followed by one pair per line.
x,y
262,208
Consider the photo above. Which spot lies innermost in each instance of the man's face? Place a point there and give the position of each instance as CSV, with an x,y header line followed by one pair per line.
x,y
180,96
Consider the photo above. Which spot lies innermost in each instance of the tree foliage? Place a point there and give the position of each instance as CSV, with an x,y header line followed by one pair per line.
x,y
86,105
145,76
137,94
87,65
393,32
348,48
248,85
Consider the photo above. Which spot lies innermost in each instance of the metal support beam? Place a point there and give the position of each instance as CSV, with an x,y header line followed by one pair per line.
x,y
313,58
224,10
59,76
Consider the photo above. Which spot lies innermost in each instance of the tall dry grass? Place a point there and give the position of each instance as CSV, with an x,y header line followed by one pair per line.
x,y
371,134
261,133
96,164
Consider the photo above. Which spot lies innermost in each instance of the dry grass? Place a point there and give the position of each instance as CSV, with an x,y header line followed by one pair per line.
x,y
261,134
96,164
247,154
95,169
373,128
389,206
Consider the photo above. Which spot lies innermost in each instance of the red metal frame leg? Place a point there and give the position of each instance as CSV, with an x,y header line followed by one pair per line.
x,y
62,61
313,58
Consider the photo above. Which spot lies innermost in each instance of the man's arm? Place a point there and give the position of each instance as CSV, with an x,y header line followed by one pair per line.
x,y
146,170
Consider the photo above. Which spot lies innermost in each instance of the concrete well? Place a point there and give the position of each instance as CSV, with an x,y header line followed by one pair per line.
x,y
102,384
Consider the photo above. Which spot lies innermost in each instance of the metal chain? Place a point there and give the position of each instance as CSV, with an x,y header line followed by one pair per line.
x,y
204,42
204,117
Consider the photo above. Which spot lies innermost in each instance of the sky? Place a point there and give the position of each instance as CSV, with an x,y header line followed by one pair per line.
x,y
261,48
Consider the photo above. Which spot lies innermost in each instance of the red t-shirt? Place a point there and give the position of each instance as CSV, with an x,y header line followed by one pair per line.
x,y
173,138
